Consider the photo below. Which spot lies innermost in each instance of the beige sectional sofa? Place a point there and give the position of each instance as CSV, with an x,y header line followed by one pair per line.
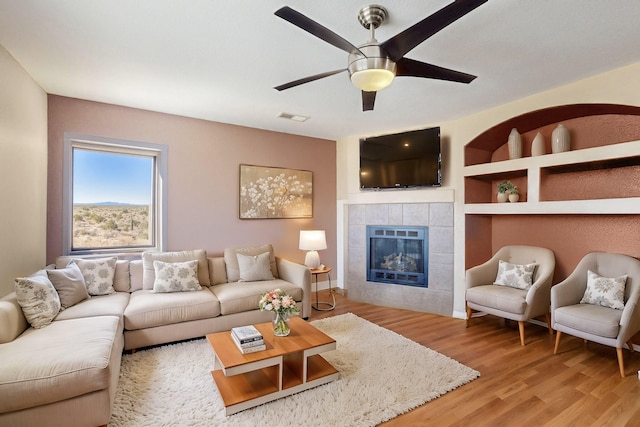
x,y
66,373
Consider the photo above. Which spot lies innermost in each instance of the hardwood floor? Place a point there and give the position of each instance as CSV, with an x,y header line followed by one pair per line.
x,y
518,386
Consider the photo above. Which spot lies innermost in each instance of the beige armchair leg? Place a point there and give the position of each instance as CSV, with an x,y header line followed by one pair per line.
x,y
521,328
558,335
468,315
620,361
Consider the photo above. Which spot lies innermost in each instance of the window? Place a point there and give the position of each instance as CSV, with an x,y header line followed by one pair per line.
x,y
114,195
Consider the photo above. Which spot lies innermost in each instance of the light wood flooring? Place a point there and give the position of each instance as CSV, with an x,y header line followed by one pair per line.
x,y
518,386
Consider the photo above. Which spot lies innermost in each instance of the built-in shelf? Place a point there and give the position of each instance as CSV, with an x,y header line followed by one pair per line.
x,y
480,182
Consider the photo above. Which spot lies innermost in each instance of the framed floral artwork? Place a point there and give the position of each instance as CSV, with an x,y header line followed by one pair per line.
x,y
273,192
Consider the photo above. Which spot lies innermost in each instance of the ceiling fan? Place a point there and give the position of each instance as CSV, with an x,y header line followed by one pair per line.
x,y
373,65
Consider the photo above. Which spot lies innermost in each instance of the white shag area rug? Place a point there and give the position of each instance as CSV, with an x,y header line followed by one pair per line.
x,y
382,375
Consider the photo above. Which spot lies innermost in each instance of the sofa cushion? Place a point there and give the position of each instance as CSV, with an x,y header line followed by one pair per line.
x,y
147,309
70,285
67,359
99,305
231,260
38,298
589,318
217,270
148,274
504,298
237,298
136,272
121,281
254,267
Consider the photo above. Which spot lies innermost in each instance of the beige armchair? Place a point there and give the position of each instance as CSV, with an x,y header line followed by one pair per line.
x,y
594,322
510,302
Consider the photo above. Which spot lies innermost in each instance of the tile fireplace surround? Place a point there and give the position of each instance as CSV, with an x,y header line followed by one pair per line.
x,y
438,297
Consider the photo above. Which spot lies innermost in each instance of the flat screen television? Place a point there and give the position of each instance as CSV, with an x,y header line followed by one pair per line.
x,y
402,160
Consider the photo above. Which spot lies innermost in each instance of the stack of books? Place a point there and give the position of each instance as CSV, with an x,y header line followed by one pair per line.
x,y
248,339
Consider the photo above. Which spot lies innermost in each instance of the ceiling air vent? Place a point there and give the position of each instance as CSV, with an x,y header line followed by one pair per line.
x,y
295,117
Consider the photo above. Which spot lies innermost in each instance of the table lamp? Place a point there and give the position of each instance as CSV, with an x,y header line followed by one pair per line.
x,y
312,241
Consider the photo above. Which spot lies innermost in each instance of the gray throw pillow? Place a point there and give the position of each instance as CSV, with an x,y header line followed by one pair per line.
x,y
69,284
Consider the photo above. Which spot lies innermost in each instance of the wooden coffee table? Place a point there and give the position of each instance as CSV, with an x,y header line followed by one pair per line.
x,y
289,365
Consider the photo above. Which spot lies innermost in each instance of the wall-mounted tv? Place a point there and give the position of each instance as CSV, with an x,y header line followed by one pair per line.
x,y
402,160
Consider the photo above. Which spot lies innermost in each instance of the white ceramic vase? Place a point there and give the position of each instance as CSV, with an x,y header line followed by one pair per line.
x,y
560,140
514,197
502,197
537,146
515,144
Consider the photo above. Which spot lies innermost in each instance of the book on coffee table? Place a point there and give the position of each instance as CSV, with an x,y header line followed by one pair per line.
x,y
246,334
250,347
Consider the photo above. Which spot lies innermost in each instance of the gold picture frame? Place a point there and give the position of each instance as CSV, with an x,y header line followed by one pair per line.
x,y
275,192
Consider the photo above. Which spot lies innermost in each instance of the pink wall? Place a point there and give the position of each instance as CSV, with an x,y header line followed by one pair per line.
x,y
203,175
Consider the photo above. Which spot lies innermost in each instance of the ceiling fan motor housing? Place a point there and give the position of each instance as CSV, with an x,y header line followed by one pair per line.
x,y
378,68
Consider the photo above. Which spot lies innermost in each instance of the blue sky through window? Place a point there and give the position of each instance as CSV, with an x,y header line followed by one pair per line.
x,y
100,177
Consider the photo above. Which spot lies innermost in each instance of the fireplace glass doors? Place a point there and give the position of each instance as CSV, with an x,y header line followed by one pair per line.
x,y
397,254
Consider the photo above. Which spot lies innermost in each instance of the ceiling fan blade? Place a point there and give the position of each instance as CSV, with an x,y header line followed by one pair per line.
x,y
312,27
368,99
308,79
400,44
413,68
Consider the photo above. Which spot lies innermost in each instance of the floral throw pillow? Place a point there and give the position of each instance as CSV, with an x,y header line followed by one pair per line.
x,y
98,274
604,291
515,275
176,276
38,298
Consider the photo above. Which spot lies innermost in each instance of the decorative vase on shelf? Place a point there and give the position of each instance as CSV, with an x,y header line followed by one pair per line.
x,y
560,140
281,326
514,144
537,146
502,197
514,197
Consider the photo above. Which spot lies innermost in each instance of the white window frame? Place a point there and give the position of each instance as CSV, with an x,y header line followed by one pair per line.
x,y
117,146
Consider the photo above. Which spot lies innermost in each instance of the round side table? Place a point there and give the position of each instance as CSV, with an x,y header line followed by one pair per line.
x,y
326,306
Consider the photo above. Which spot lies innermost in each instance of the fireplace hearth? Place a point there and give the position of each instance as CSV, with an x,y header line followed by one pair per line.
x,y
398,255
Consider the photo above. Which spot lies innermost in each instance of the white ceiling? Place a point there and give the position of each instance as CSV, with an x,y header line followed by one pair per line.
x,y
219,60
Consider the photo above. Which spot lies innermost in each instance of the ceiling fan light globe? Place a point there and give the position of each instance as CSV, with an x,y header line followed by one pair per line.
x,y
372,80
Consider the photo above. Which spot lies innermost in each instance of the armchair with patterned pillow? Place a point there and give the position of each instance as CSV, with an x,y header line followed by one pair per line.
x,y
598,302
514,284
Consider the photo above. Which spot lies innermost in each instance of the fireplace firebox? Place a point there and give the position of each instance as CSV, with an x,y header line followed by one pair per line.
x,y
398,255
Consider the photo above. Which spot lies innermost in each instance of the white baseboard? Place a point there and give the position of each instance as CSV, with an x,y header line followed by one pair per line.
x,y
459,315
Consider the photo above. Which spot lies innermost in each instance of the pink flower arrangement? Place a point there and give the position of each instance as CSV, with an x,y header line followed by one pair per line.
x,y
278,301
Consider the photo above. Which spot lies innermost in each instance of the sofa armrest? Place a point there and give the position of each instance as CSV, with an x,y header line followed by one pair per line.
x,y
12,320
300,275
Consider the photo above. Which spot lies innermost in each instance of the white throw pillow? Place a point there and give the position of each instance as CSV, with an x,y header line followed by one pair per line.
x,y
98,274
515,275
69,284
255,267
604,291
231,260
176,276
38,298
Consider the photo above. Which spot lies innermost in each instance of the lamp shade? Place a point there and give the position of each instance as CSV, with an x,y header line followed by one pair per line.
x,y
312,240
